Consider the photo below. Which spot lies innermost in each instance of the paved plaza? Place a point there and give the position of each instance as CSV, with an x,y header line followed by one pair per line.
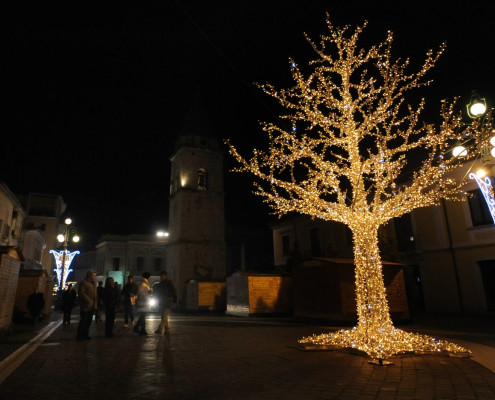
x,y
224,357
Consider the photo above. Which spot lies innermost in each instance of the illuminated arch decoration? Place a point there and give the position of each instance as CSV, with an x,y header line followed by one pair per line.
x,y
63,257
486,188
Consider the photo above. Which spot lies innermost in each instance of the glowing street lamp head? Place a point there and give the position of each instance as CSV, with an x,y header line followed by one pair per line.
x,y
68,221
481,173
60,238
476,108
76,238
459,151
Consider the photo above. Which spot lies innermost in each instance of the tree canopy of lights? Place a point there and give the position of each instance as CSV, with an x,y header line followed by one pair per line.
x,y
339,154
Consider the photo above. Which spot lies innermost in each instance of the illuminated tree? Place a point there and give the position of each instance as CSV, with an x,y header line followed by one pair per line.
x,y
342,157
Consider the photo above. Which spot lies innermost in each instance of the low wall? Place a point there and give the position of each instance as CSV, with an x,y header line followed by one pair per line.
x,y
258,294
205,296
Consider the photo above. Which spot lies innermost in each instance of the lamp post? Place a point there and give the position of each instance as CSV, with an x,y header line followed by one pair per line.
x,y
477,110
64,258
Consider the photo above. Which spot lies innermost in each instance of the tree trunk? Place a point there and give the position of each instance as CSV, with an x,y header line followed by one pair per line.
x,y
375,333
372,306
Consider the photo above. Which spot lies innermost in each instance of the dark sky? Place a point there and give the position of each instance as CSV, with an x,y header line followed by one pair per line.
x,y
97,94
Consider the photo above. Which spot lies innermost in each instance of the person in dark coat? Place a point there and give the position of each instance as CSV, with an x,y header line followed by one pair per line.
x,y
166,295
129,294
35,303
68,301
110,301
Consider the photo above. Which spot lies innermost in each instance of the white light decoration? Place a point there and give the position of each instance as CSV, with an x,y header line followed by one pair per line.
x,y
338,156
63,259
486,188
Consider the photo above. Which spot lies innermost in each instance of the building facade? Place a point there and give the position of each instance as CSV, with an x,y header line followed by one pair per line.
x,y
12,216
43,215
299,237
21,269
120,256
454,248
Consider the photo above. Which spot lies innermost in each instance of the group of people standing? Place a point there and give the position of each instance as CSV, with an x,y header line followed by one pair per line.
x,y
135,300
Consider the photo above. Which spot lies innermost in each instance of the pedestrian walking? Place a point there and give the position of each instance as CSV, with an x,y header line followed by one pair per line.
x,y
101,305
68,301
129,294
35,303
88,302
110,300
142,304
166,295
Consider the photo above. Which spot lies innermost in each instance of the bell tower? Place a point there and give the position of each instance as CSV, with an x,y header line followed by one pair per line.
x,y
196,248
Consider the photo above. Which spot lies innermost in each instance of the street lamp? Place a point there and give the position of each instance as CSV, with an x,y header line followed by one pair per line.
x,y
477,110
63,258
476,107
161,235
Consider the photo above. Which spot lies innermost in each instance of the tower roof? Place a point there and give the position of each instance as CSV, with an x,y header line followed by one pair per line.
x,y
197,122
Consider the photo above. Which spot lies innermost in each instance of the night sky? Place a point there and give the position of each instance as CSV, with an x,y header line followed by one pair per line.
x,y
97,94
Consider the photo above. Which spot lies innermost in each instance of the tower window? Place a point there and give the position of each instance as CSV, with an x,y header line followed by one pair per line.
x,y
202,179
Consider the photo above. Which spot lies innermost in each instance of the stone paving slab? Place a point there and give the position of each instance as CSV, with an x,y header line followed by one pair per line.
x,y
219,357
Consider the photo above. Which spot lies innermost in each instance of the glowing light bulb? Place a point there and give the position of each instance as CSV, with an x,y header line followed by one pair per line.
x,y
477,109
459,151
481,173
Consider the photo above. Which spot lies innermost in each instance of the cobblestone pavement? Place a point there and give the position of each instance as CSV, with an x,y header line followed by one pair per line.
x,y
221,357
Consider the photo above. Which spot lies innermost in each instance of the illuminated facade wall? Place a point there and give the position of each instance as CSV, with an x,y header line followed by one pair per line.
x,y
454,250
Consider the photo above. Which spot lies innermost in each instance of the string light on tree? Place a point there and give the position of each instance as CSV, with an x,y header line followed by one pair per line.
x,y
350,131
